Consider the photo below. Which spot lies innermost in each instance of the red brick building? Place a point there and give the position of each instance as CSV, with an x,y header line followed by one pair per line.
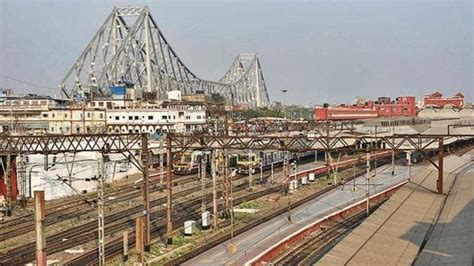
x,y
383,107
436,99
402,106
13,181
344,113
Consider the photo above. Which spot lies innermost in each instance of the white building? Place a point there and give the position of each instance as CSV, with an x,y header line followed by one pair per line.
x,y
55,120
68,174
169,117
75,120
34,114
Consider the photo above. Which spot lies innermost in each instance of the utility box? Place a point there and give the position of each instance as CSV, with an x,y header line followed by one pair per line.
x,y
189,227
304,180
293,186
206,220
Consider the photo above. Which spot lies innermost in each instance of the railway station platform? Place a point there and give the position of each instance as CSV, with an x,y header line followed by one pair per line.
x,y
253,242
452,239
416,225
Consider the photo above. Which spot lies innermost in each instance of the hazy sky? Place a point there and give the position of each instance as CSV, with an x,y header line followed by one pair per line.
x,y
319,50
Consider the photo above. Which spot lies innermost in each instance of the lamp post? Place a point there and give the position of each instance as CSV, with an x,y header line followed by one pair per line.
x,y
284,96
284,100
232,175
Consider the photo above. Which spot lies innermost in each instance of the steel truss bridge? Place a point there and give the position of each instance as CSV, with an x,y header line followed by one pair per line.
x,y
130,48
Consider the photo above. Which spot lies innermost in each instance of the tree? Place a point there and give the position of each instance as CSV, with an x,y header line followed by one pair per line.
x,y
261,112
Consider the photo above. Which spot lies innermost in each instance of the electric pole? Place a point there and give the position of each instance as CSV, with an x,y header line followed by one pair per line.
x,y
367,182
22,174
169,190
295,178
40,229
271,172
161,162
327,153
100,206
203,183
393,162
409,164
146,194
286,176
226,178
354,176
7,171
375,152
214,191
250,168
393,151
232,247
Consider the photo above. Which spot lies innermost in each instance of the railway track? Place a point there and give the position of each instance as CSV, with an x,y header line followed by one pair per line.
x,y
87,232
313,248
348,175
67,203
115,247
74,209
310,250
115,222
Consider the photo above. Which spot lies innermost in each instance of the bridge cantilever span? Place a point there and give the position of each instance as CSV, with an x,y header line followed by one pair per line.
x,y
130,47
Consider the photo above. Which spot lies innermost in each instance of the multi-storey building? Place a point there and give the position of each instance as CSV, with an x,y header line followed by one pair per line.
x,y
167,117
58,120
75,120
402,106
78,120
436,99
383,107
110,103
23,114
31,101
32,114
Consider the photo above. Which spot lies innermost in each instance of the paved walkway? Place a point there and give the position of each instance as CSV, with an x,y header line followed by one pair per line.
x,y
395,232
452,239
258,239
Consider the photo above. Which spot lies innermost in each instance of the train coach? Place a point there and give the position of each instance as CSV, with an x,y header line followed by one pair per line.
x,y
251,162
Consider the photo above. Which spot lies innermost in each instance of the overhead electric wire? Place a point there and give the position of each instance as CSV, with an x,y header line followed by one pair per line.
x,y
26,82
265,237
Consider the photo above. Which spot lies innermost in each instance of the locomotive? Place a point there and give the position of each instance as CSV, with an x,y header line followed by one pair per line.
x,y
190,161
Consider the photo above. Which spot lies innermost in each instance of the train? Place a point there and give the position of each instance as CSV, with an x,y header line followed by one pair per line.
x,y
252,162
189,162
382,158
